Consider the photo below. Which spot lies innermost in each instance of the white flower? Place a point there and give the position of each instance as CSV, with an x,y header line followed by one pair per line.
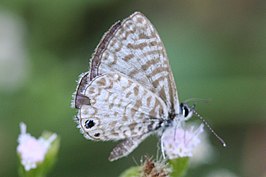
x,y
31,150
178,141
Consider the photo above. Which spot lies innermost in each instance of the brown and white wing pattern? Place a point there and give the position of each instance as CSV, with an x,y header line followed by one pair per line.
x,y
119,108
133,47
129,91
126,146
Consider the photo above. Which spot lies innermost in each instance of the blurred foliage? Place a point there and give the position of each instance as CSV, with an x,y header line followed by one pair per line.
x,y
179,166
131,172
216,50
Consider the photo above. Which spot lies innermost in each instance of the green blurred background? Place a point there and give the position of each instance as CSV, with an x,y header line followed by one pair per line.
x,y
216,50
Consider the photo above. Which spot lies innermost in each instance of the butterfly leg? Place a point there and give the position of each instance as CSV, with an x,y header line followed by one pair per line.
x,y
126,147
162,149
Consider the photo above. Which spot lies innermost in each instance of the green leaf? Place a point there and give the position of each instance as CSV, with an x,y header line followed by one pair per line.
x,y
179,166
131,172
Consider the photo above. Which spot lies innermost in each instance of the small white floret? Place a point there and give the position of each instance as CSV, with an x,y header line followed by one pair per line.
x,y
32,151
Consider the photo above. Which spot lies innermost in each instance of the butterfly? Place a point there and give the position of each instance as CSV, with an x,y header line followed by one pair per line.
x,y
129,92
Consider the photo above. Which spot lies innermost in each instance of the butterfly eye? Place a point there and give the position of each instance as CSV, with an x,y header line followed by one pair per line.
x,y
185,111
89,124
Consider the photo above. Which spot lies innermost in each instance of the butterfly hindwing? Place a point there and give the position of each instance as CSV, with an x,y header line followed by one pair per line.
x,y
119,108
126,147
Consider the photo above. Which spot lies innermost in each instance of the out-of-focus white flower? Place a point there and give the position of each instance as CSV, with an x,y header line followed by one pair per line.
x,y
180,141
14,64
31,150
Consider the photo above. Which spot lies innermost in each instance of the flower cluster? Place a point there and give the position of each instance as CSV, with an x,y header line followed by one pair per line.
x,y
178,141
31,150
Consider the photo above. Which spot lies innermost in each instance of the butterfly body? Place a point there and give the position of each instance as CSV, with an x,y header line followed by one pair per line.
x,y
129,92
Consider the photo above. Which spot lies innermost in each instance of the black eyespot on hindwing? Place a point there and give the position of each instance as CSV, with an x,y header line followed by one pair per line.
x,y
97,134
89,124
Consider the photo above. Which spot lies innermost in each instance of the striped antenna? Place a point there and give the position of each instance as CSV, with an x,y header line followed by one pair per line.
x,y
196,100
209,127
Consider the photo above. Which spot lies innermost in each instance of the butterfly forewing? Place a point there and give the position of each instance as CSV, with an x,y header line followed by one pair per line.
x,y
120,108
134,48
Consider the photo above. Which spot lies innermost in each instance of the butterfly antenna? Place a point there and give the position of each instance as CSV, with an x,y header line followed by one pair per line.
x,y
195,100
209,127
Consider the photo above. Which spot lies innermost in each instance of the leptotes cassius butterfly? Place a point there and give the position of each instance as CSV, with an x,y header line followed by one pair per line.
x,y
129,92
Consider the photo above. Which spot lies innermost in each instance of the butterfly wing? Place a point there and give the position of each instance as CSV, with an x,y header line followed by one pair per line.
x,y
119,108
126,147
129,91
79,98
133,47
